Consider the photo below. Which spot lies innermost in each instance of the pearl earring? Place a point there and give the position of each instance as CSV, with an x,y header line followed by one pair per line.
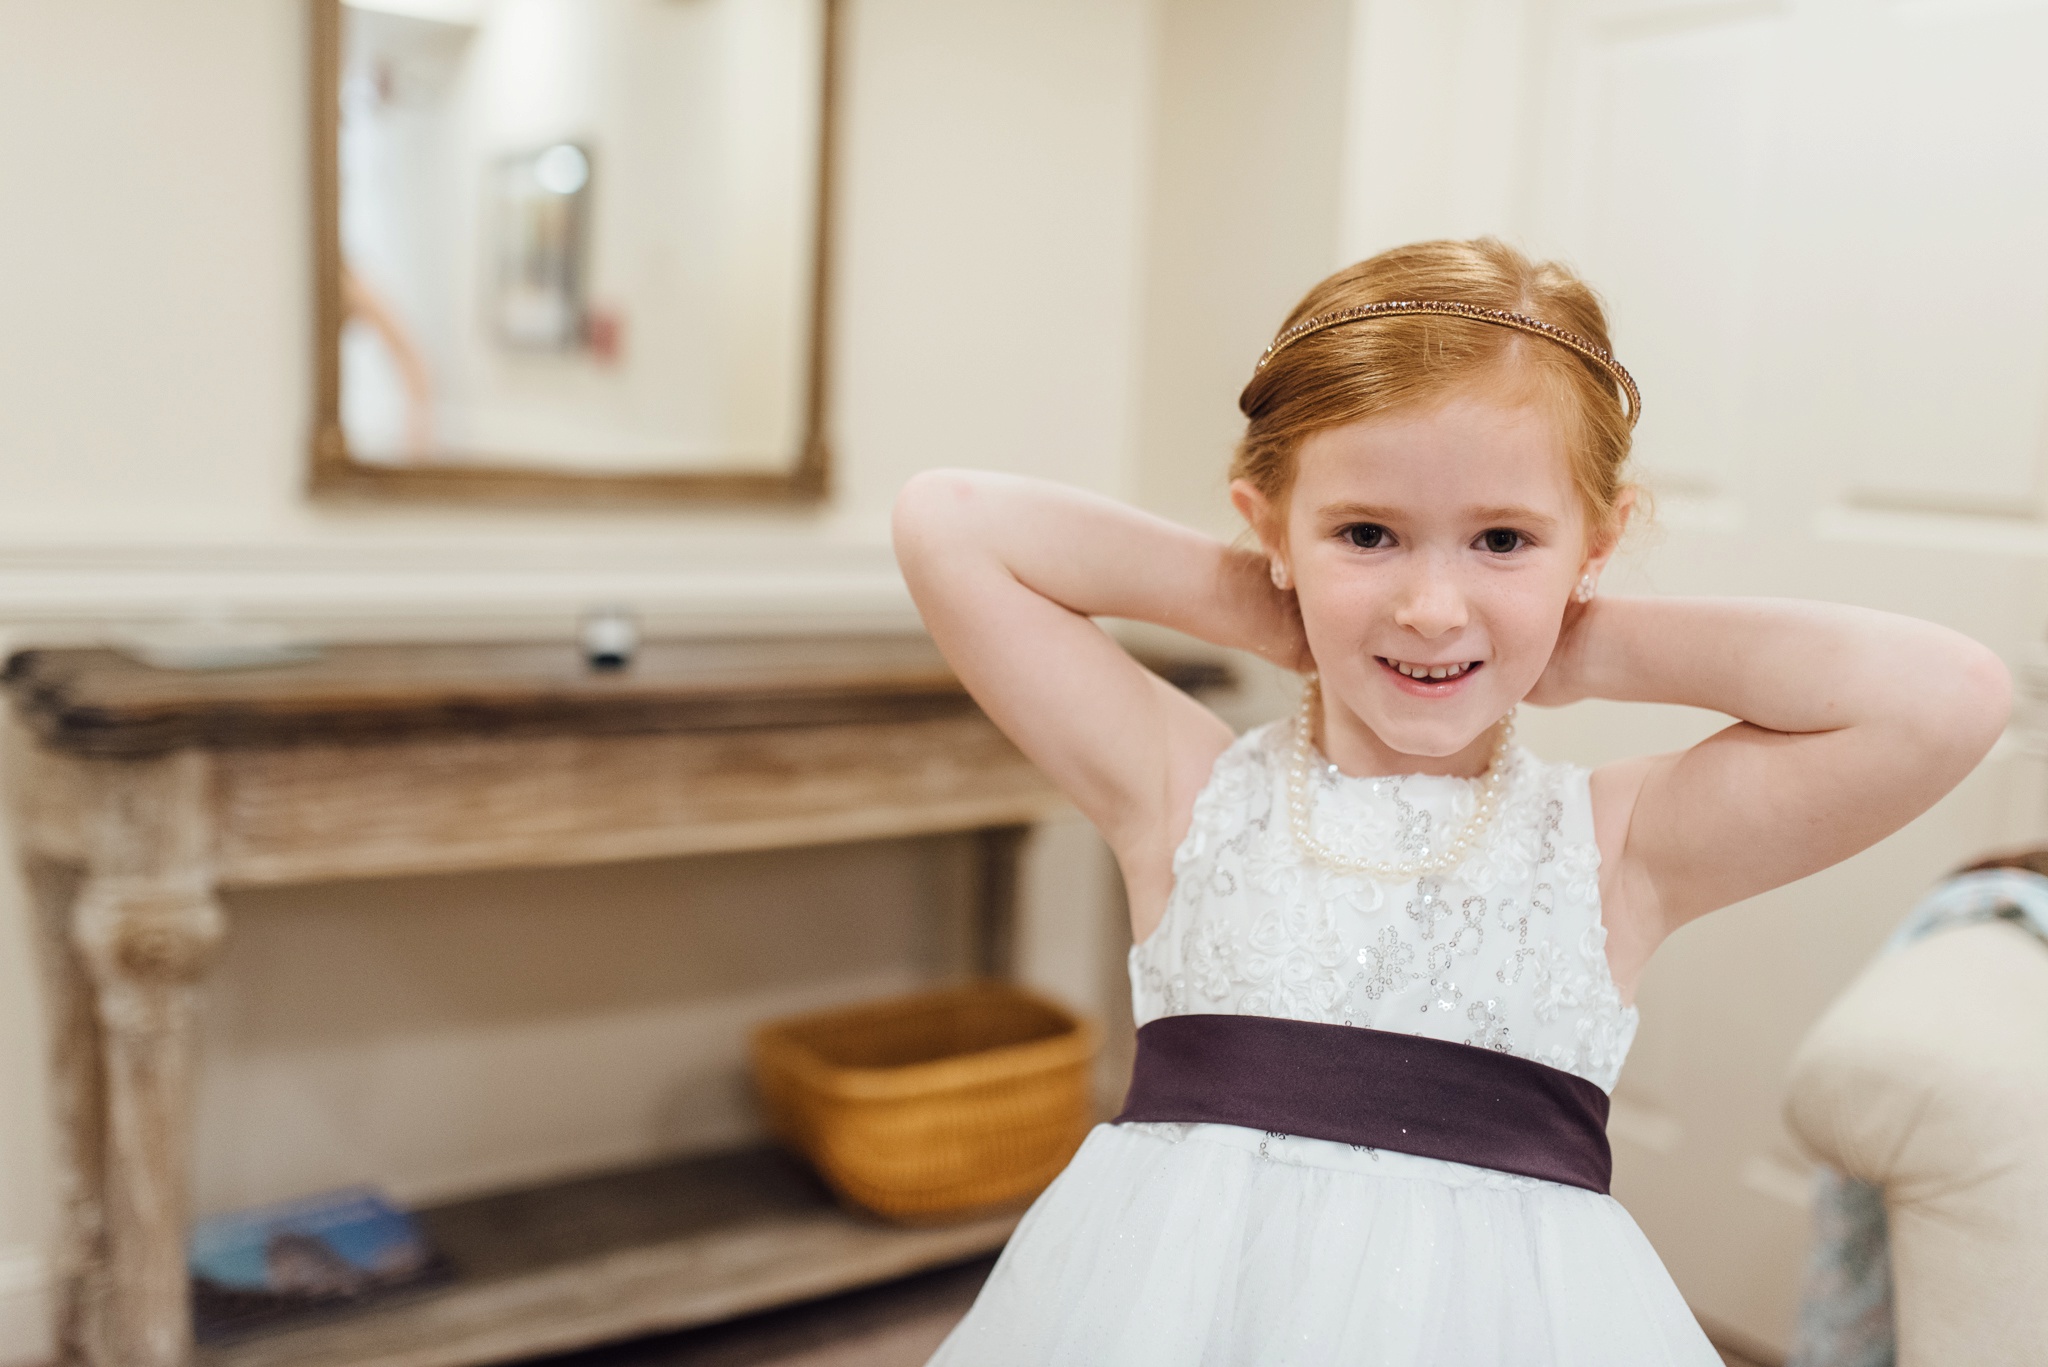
x,y
1584,592
1280,580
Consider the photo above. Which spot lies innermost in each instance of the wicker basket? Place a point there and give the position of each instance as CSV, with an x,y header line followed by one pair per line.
x,y
926,1106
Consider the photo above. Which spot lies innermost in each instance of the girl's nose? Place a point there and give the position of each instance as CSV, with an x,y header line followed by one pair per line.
x,y
1431,604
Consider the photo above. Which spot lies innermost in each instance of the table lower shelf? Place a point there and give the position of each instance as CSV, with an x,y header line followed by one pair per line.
x,y
601,1258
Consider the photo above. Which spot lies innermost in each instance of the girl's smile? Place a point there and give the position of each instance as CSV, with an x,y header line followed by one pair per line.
x,y
1429,680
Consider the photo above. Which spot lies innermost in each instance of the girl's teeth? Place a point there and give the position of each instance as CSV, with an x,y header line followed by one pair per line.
x,y
1430,671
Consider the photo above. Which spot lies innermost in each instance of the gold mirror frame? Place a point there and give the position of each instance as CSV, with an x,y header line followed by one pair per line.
x,y
334,473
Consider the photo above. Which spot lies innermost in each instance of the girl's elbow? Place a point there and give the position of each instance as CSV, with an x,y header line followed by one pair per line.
x,y
1942,726
929,502
1992,684
1978,701
927,491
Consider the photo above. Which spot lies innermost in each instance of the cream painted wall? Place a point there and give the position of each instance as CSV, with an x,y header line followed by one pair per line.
x,y
1245,201
154,369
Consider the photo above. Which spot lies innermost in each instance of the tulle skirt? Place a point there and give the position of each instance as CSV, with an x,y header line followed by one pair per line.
x,y
1214,1246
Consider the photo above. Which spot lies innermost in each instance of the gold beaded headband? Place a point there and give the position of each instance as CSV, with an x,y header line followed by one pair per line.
x,y
1520,322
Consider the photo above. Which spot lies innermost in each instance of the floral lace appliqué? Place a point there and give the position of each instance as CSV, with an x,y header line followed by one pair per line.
x,y
1505,952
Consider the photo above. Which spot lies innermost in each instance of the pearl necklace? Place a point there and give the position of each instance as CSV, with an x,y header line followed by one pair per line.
x,y
1299,809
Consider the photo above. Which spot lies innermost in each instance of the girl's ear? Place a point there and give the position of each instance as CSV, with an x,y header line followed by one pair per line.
x,y
1267,522
1598,555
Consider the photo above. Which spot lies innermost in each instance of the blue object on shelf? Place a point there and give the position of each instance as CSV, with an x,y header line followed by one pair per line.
x,y
332,1251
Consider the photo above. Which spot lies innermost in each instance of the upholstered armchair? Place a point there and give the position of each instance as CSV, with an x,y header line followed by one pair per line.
x,y
1928,1078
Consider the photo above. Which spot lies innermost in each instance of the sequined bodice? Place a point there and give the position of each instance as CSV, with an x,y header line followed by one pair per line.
x,y
1507,951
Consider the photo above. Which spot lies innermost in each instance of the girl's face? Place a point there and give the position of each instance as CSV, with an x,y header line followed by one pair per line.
x,y
1434,552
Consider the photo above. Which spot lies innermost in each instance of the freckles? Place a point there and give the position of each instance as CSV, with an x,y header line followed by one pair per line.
x,y
1349,595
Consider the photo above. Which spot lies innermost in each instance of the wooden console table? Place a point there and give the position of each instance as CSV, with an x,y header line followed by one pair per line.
x,y
141,793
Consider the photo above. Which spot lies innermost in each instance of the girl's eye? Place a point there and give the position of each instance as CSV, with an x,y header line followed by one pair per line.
x,y
1501,540
1366,535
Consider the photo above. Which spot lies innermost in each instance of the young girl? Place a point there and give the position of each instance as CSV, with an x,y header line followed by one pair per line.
x,y
1385,959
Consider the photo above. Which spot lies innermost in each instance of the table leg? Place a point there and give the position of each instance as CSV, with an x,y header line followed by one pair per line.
x,y
146,948
78,1255
146,926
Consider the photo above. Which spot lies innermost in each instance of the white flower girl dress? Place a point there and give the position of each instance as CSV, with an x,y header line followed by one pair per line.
x,y
1206,1245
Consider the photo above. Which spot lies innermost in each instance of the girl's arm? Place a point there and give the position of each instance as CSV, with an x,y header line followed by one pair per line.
x,y
1852,723
1007,573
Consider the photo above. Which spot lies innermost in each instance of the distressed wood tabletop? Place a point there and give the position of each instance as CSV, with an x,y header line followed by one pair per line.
x,y
101,702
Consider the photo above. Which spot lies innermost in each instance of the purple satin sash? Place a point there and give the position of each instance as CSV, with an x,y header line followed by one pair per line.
x,y
1378,1088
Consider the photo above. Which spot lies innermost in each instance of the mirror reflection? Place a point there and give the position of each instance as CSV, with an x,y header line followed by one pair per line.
x,y
579,234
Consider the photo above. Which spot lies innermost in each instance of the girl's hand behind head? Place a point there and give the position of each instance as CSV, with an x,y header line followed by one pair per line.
x,y
1563,679
1262,594
1288,645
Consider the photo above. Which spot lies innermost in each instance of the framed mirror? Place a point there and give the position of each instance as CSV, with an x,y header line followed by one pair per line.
x,y
571,250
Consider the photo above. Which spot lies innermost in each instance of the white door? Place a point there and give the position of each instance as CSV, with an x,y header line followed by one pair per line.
x,y
1822,229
